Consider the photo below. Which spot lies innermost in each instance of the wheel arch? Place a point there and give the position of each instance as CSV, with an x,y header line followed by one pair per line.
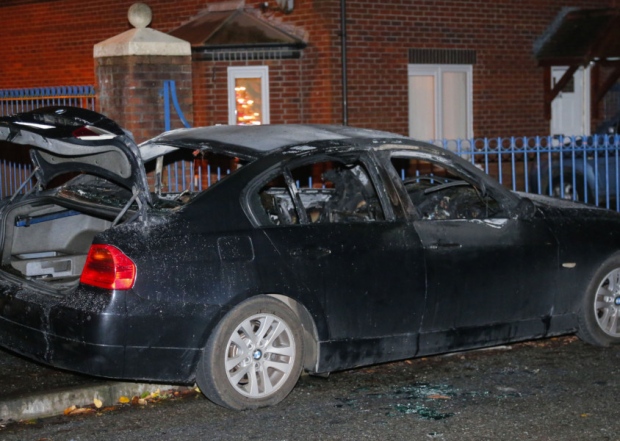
x,y
309,327
310,332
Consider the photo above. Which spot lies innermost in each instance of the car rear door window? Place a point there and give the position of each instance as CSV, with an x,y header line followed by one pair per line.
x,y
343,193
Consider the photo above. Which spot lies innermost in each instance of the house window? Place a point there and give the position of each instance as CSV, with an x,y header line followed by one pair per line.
x,y
440,101
248,95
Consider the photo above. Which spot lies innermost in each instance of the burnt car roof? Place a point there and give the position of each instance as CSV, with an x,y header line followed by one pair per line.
x,y
252,142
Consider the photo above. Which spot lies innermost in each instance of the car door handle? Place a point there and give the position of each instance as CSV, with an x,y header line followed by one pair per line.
x,y
438,245
310,252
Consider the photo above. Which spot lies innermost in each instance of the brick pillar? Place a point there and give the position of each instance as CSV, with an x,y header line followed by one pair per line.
x,y
130,71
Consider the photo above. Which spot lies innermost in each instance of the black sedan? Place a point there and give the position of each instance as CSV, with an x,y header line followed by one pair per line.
x,y
320,248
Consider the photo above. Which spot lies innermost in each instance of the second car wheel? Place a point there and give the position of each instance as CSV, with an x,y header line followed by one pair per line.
x,y
253,358
565,189
599,315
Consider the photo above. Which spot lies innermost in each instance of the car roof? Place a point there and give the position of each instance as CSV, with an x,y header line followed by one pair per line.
x,y
259,140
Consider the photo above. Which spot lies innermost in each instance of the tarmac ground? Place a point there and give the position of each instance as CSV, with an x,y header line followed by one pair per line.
x,y
555,389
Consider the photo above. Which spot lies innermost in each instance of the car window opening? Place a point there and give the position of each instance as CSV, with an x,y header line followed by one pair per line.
x,y
343,194
438,193
174,179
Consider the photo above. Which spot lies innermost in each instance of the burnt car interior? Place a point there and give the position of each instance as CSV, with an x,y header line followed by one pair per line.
x,y
438,193
344,193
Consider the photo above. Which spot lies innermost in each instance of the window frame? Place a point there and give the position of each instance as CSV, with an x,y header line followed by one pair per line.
x,y
437,71
487,187
235,72
256,212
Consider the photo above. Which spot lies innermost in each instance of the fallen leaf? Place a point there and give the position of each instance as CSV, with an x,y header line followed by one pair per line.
x,y
438,397
142,401
124,400
81,410
68,410
98,403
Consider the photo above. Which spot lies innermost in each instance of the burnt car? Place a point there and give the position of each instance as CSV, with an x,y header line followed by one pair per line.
x,y
320,248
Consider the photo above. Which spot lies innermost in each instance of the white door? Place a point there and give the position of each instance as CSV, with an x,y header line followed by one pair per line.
x,y
570,110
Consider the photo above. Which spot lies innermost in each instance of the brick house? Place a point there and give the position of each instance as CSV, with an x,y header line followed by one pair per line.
x,y
429,68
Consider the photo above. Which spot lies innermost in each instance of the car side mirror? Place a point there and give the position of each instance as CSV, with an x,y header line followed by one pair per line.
x,y
525,209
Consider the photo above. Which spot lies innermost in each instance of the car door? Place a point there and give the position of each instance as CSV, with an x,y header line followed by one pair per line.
x,y
491,274
337,243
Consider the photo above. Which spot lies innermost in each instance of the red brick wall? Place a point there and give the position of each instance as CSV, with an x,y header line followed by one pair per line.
x,y
51,43
306,90
508,84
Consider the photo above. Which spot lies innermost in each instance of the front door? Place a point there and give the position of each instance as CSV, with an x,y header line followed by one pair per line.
x,y
489,281
490,276
570,110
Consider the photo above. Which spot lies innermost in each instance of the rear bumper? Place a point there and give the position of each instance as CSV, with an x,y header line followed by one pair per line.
x,y
93,333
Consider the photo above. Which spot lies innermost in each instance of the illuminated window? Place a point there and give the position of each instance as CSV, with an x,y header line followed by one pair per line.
x,y
248,95
440,102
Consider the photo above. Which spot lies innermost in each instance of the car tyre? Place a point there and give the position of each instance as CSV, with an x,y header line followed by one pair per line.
x,y
570,193
599,315
253,357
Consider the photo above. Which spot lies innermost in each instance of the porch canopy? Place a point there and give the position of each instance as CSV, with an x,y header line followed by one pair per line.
x,y
581,37
217,31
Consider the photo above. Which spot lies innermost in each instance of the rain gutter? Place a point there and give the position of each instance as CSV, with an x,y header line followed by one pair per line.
x,y
343,27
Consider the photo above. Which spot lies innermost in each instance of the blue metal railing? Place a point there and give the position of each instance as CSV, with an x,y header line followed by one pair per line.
x,y
578,168
15,167
584,168
22,100
191,176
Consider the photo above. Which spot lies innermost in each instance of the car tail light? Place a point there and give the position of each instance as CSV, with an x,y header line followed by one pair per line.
x,y
108,267
92,133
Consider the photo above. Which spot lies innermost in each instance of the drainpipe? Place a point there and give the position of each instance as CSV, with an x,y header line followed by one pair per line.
x,y
343,29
